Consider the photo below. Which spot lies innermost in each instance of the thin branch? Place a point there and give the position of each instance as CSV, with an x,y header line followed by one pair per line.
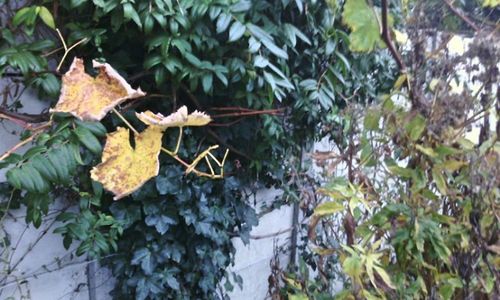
x,y
26,141
386,36
250,113
27,118
461,15
210,131
228,146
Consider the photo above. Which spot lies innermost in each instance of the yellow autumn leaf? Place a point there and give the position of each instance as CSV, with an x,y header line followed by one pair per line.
x,y
491,3
180,118
124,169
89,98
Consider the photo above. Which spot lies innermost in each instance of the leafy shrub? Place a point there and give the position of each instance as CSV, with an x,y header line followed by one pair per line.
x,y
409,205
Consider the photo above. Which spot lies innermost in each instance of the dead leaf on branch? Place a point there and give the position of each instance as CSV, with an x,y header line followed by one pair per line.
x,y
123,169
180,118
89,98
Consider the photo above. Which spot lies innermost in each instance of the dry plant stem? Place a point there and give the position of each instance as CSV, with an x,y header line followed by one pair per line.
x,y
190,168
25,118
178,141
209,165
386,36
66,49
250,113
461,15
125,121
197,160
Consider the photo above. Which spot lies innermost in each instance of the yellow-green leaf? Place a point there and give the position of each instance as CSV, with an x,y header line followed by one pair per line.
x,y
328,208
453,165
385,277
401,79
372,118
491,3
416,127
297,297
439,180
352,266
365,30
426,150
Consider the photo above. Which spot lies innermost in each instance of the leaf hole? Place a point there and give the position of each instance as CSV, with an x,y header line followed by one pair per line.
x,y
131,139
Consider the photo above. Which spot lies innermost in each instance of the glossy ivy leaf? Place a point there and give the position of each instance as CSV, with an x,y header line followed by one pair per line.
x,y
365,30
124,169
89,98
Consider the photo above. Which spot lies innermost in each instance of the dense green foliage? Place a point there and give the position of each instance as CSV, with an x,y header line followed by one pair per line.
x,y
172,237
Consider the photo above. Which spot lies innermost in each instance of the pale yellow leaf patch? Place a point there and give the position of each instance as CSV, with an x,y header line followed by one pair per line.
x,y
180,118
89,98
124,169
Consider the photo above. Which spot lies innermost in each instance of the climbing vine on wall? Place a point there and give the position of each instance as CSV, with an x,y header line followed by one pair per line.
x,y
272,75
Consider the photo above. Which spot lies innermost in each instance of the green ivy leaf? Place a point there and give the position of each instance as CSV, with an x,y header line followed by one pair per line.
x,y
43,165
223,22
416,127
23,15
328,208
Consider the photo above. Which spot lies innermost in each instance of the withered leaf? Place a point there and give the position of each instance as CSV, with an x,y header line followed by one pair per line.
x,y
180,118
89,98
124,169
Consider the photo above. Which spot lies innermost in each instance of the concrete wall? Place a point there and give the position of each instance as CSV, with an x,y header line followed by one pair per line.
x,y
44,270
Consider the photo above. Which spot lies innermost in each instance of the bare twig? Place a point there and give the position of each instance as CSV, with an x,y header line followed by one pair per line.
x,y
386,36
26,141
27,118
461,15
190,168
210,131
250,113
